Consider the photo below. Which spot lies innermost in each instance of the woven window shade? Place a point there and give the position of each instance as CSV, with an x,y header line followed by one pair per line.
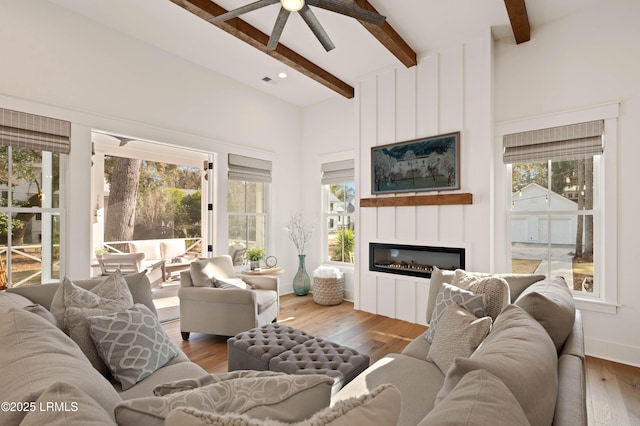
x,y
338,172
249,169
575,141
34,132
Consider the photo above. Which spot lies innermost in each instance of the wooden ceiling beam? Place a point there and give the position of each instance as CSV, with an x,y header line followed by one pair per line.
x,y
206,9
517,11
388,37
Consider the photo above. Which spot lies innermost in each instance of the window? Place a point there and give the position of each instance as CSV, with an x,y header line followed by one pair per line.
x,y
32,154
338,191
247,205
556,203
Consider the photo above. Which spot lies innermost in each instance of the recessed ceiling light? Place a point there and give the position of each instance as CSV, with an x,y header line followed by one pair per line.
x,y
282,74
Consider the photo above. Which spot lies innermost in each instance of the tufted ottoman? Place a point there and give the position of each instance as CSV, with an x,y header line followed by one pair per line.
x,y
281,348
253,349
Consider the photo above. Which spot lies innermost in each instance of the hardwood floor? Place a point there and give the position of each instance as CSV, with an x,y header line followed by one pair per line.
x,y
613,390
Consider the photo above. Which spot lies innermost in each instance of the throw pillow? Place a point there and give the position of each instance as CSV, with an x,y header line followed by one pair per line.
x,y
479,399
111,292
380,407
495,287
41,311
63,404
203,273
551,303
132,343
521,354
287,398
448,295
188,384
79,329
459,334
232,283
438,277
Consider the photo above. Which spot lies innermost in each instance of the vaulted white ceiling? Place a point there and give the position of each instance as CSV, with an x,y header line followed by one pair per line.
x,y
425,25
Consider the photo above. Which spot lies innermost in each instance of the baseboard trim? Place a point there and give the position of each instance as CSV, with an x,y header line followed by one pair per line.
x,y
611,351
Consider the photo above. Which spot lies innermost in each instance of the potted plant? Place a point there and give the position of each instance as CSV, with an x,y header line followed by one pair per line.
x,y
255,254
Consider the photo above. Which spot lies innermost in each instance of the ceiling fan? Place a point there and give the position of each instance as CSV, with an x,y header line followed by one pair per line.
x,y
302,7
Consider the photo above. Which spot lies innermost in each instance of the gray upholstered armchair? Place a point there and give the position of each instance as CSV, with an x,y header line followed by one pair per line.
x,y
214,301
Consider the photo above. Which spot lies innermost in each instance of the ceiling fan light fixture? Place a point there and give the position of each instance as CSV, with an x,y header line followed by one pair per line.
x,y
292,5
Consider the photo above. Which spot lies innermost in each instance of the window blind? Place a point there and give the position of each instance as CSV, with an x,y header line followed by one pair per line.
x,y
338,172
34,132
573,141
249,169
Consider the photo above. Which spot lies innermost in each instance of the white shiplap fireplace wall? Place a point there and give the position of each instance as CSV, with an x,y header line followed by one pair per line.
x,y
449,90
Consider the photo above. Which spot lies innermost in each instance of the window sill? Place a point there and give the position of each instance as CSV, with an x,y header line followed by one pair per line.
x,y
596,306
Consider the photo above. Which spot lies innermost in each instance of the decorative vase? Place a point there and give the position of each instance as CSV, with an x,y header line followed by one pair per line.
x,y
301,281
254,264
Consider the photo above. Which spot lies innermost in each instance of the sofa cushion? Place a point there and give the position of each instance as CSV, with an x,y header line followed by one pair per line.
x,y
35,354
63,404
417,380
479,399
521,354
448,295
297,398
551,303
42,312
459,334
381,406
495,287
132,343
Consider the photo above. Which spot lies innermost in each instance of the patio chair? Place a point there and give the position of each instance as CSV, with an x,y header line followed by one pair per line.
x,y
131,263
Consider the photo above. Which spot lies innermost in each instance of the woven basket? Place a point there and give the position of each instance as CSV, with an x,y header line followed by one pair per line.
x,y
328,291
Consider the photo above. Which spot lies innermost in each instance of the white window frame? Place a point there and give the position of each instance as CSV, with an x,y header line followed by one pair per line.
x,y
607,302
46,212
326,190
265,214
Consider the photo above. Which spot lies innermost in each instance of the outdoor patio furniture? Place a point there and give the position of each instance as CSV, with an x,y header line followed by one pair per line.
x,y
130,263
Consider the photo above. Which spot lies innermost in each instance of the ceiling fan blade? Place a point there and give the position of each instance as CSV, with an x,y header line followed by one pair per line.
x,y
310,18
349,10
243,9
277,28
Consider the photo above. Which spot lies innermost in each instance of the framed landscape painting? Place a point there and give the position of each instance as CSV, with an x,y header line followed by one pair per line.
x,y
427,164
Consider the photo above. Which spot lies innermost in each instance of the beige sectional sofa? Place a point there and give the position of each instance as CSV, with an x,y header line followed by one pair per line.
x,y
529,369
40,364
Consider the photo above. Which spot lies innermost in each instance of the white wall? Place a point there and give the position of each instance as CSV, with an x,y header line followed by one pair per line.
x,y
329,135
59,64
449,90
573,64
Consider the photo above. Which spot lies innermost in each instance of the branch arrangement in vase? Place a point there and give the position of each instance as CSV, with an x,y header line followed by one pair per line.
x,y
299,232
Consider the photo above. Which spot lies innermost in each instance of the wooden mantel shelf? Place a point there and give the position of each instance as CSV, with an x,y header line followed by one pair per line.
x,y
418,200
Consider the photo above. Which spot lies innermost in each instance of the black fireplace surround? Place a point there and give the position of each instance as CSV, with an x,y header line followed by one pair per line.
x,y
417,261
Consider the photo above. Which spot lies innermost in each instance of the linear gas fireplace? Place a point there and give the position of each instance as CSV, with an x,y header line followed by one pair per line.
x,y
417,261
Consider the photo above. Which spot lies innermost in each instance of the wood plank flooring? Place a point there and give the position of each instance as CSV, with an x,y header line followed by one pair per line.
x,y
613,390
